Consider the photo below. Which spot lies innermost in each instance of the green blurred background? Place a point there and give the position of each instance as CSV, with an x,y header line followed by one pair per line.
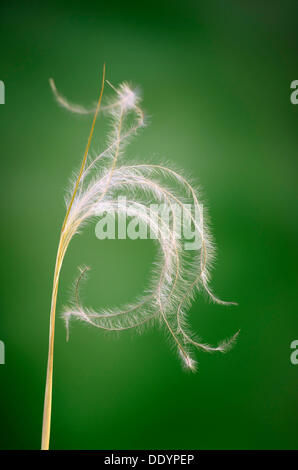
x,y
215,77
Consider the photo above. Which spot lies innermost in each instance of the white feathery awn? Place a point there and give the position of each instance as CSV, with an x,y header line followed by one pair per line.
x,y
177,273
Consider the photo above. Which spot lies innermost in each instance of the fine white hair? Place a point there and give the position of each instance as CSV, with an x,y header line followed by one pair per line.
x,y
177,274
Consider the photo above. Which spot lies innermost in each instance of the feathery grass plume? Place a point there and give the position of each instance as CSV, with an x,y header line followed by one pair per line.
x,y
105,184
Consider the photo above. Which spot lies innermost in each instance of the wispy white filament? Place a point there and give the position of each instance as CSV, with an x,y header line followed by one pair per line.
x,y
176,273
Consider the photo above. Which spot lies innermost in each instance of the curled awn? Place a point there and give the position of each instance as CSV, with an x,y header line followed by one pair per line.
x,y
110,183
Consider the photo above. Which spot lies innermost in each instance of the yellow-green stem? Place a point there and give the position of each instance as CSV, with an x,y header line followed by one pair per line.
x,y
46,426
62,247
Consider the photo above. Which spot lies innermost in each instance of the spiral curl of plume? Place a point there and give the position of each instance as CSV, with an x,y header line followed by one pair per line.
x,y
175,277
177,273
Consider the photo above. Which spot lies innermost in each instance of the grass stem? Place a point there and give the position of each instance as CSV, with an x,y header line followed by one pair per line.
x,y
62,247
